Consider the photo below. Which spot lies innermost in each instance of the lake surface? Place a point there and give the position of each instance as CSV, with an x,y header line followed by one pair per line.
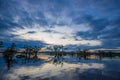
x,y
69,69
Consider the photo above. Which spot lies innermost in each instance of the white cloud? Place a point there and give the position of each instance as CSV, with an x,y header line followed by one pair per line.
x,y
52,37
82,27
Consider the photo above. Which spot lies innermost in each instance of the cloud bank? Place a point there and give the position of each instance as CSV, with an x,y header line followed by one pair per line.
x,y
85,23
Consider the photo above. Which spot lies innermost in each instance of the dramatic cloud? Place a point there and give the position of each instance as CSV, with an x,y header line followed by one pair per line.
x,y
57,35
84,23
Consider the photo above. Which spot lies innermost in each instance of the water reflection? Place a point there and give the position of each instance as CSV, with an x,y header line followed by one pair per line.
x,y
49,70
66,68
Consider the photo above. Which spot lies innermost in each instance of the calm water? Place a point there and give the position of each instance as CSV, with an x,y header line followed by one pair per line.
x,y
69,69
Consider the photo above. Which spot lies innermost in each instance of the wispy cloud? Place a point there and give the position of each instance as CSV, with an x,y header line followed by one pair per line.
x,y
91,23
38,33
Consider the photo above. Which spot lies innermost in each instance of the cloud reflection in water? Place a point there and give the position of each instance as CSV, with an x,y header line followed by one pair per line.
x,y
49,70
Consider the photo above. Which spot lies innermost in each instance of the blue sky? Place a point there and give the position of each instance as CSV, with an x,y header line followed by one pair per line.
x,y
81,23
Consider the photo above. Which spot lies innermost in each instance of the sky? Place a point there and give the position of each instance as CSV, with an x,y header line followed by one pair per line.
x,y
72,23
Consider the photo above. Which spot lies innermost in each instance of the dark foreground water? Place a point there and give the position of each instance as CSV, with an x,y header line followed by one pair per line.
x,y
70,69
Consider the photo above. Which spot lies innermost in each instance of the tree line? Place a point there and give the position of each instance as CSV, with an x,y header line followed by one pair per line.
x,y
58,51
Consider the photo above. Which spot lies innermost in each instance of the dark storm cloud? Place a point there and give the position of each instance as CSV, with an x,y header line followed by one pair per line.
x,y
101,15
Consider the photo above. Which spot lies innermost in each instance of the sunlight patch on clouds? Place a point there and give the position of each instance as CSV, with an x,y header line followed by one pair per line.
x,y
55,36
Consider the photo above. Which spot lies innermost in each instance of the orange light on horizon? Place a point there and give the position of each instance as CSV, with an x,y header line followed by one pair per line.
x,y
42,57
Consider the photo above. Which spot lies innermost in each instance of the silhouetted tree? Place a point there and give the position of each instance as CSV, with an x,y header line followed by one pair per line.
x,y
62,51
86,54
58,55
101,54
9,54
79,54
110,54
35,53
27,52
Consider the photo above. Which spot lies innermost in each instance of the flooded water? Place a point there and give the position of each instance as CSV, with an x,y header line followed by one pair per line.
x,y
69,69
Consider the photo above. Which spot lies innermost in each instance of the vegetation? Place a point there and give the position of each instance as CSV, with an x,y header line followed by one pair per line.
x,y
9,54
31,54
57,51
103,54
